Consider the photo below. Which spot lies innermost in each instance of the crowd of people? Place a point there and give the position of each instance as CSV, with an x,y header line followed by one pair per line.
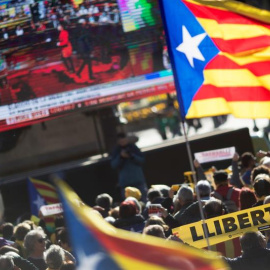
x,y
44,15
155,211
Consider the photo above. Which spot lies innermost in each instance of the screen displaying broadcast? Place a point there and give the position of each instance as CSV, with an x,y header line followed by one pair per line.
x,y
57,56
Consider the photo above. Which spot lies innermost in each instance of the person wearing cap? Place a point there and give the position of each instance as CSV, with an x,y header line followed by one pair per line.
x,y
128,218
128,160
133,192
223,188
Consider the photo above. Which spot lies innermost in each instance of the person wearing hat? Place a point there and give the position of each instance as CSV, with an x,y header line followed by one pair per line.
x,y
224,191
128,218
128,160
133,192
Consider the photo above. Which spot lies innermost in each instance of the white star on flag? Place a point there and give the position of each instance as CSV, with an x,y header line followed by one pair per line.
x,y
190,46
39,202
89,262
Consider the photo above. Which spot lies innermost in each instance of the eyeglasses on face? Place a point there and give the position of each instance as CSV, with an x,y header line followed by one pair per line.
x,y
41,240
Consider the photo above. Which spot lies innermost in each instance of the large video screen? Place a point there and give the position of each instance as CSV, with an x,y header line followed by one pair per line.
x,y
57,56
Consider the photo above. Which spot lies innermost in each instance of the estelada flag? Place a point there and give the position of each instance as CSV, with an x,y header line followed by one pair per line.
x,y
220,54
41,193
98,245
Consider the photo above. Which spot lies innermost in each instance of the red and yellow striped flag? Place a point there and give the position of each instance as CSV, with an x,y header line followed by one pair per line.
x,y
221,56
42,193
46,190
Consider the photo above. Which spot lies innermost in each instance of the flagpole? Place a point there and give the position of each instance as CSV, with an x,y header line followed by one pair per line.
x,y
195,181
182,114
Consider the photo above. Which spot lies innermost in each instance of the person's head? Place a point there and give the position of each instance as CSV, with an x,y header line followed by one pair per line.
x,y
133,192
138,205
221,177
262,169
262,186
104,200
8,249
247,198
154,230
213,208
155,220
7,230
203,188
31,223
122,139
153,193
252,240
266,200
266,162
60,27
247,160
83,22
34,241
7,263
63,239
185,195
127,209
115,212
54,257
21,230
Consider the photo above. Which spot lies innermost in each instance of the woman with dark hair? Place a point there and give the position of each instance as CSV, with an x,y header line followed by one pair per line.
x,y
248,162
262,169
247,198
66,51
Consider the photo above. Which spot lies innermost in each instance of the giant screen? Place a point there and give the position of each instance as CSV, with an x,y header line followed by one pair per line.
x,y
57,56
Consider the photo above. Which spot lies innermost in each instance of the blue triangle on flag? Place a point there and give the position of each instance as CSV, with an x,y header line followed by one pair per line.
x,y
88,250
36,200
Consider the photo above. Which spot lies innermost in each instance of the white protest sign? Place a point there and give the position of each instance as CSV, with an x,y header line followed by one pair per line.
x,y
215,155
51,209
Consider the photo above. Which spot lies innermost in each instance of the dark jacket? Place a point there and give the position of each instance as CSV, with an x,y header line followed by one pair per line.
x,y
20,262
135,223
254,259
176,220
130,169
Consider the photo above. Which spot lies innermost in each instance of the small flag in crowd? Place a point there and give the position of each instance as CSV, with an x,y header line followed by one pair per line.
x,y
220,54
98,245
41,193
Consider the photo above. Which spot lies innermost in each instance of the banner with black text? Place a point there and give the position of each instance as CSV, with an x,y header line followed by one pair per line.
x,y
225,227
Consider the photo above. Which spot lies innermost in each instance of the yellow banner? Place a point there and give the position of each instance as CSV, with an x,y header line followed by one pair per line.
x,y
225,227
